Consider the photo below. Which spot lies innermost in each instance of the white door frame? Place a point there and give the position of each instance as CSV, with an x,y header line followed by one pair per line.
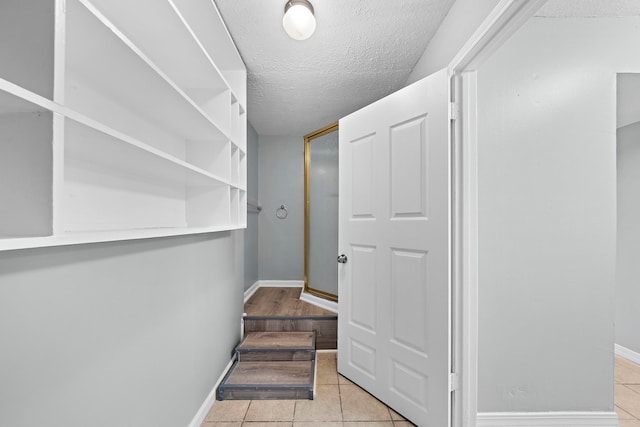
x,y
504,20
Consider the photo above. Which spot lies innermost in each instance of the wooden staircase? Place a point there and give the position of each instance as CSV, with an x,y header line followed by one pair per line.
x,y
272,365
281,310
276,359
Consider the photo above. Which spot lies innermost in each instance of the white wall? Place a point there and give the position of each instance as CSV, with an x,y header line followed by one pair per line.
x,y
547,207
117,334
462,20
281,176
251,233
628,274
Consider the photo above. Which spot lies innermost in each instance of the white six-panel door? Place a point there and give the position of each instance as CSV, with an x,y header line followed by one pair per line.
x,y
394,228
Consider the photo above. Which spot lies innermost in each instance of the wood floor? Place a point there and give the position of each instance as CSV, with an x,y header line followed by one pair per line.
x,y
281,310
282,302
262,346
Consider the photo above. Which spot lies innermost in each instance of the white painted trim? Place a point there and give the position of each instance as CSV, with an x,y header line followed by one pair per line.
x,y
331,306
198,419
251,290
466,254
504,20
627,354
548,419
281,283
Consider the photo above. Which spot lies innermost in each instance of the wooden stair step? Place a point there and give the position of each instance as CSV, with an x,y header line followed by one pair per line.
x,y
254,380
326,327
277,346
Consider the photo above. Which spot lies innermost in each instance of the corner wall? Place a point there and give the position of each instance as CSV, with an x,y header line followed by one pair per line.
x,y
131,333
628,273
547,214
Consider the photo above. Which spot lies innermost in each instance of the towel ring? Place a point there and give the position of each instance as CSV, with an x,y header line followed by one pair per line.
x,y
281,212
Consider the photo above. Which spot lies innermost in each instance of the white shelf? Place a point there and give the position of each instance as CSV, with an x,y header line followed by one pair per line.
x,y
238,126
15,99
216,41
116,184
146,135
106,236
243,170
109,79
235,166
235,206
168,41
91,139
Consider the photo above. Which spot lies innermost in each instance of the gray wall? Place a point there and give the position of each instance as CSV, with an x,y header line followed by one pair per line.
x,y
119,334
281,181
251,232
462,20
628,274
547,214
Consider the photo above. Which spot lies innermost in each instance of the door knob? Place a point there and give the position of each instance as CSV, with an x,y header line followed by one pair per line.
x,y
342,259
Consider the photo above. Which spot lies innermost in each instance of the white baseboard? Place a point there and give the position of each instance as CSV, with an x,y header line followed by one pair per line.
x,y
272,284
331,306
547,419
198,419
281,283
628,354
252,290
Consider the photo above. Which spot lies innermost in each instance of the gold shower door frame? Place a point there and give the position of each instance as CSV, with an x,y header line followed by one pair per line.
x,y
333,127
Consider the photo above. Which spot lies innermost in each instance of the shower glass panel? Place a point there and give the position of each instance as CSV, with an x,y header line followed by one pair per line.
x,y
321,212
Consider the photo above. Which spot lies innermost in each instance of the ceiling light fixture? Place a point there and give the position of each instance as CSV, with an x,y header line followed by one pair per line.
x,y
298,20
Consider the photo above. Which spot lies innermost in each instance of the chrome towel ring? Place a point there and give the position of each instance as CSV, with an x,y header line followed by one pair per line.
x,y
281,212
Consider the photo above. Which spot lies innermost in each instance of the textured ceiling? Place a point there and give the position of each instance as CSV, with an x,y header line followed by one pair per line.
x,y
361,51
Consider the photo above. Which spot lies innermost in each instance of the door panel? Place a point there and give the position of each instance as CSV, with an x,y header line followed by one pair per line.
x,y
363,266
362,177
394,227
408,168
408,299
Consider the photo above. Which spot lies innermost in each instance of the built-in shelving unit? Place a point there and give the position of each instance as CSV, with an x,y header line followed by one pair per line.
x,y
119,120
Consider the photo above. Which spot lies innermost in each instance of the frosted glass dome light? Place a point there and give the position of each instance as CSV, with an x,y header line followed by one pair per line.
x,y
298,20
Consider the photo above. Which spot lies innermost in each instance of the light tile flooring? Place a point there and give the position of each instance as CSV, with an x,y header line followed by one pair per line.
x,y
627,393
337,403
340,403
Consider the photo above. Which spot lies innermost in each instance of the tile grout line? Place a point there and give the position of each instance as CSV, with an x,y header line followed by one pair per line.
x,y
244,419
340,396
